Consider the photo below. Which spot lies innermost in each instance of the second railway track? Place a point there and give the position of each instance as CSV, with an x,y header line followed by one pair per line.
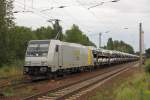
x,y
70,90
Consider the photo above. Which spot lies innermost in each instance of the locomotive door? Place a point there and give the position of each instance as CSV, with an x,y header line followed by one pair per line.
x,y
56,61
60,58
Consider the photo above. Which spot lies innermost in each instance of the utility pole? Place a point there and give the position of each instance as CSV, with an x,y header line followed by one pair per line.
x,y
100,39
141,40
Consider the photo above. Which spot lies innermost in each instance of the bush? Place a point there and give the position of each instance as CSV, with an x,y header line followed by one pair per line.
x,y
148,68
12,69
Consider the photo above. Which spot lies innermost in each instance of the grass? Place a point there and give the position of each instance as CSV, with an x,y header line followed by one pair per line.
x,y
8,92
147,62
50,95
25,92
11,70
136,87
98,96
147,66
14,72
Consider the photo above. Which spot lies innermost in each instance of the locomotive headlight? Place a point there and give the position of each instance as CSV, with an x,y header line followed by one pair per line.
x,y
43,69
44,63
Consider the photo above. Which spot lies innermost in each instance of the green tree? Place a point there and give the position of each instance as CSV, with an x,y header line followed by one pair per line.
x,y
110,44
119,46
116,44
44,33
148,52
6,22
18,41
75,35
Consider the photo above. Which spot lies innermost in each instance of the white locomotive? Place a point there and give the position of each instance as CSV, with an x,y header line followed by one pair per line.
x,y
54,57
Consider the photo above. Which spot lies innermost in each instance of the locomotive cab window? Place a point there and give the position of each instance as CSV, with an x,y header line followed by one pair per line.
x,y
38,49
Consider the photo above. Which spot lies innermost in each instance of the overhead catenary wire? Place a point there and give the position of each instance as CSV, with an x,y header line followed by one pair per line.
x,y
91,12
96,5
47,16
44,15
39,13
57,2
35,11
57,36
90,35
70,15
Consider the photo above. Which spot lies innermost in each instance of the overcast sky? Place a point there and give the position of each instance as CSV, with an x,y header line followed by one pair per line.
x,y
113,17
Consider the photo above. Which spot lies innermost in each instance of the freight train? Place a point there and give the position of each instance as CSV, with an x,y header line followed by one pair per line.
x,y
48,58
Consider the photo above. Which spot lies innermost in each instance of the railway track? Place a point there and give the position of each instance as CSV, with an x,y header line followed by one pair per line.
x,y
16,82
70,91
5,82
18,87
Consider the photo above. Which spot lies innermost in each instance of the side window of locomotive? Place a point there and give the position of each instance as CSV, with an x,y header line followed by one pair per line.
x,y
57,48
